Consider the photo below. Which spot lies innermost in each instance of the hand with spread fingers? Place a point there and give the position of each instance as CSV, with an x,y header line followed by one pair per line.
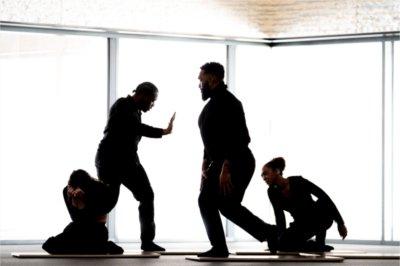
x,y
168,130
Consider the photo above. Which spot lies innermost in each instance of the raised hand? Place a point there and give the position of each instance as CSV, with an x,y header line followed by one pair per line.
x,y
168,130
77,197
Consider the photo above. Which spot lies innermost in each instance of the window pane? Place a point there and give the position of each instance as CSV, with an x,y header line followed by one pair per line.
x,y
320,108
253,74
172,163
52,112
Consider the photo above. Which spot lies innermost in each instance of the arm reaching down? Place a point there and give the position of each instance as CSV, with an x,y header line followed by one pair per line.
x,y
323,197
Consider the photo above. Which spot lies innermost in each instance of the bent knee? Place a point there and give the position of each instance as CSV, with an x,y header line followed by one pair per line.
x,y
204,200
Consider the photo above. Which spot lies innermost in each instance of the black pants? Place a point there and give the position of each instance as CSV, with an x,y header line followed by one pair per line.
x,y
84,235
130,173
212,202
296,236
79,238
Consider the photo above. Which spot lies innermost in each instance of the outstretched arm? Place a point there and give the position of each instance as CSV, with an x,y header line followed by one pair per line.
x,y
154,132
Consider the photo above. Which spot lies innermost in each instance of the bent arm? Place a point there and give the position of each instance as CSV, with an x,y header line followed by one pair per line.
x,y
74,213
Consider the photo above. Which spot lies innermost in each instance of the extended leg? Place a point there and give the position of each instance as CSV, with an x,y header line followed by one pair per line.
x,y
230,205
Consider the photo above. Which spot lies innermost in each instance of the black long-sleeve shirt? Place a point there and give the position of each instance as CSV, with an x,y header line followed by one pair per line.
x,y
300,204
125,129
97,202
223,126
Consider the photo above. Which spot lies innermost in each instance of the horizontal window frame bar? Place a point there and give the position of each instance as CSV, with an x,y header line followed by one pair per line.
x,y
272,42
383,38
116,33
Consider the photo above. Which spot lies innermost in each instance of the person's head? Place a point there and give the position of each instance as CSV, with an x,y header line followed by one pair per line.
x,y
145,95
211,74
273,170
79,178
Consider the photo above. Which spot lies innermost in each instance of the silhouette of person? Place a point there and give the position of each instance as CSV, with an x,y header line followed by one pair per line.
x,y
117,161
311,218
228,164
87,201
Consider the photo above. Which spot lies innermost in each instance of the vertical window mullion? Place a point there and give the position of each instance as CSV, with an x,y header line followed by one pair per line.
x,y
112,57
383,143
230,80
388,141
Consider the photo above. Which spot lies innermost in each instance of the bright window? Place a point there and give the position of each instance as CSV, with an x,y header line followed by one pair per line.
x,y
52,112
320,107
172,163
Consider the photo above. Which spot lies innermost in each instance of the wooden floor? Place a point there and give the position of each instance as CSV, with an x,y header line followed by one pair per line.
x,y
7,259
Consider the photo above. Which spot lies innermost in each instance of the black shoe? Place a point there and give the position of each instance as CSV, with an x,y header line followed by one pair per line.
x,y
113,248
312,246
327,248
215,253
151,246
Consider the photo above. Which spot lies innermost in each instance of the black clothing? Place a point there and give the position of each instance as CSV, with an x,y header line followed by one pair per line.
x,y
97,202
117,161
225,137
223,126
213,252
310,217
150,246
79,238
135,179
124,129
84,235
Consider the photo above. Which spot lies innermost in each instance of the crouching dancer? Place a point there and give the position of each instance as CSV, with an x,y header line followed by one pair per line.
x,y
88,202
311,218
